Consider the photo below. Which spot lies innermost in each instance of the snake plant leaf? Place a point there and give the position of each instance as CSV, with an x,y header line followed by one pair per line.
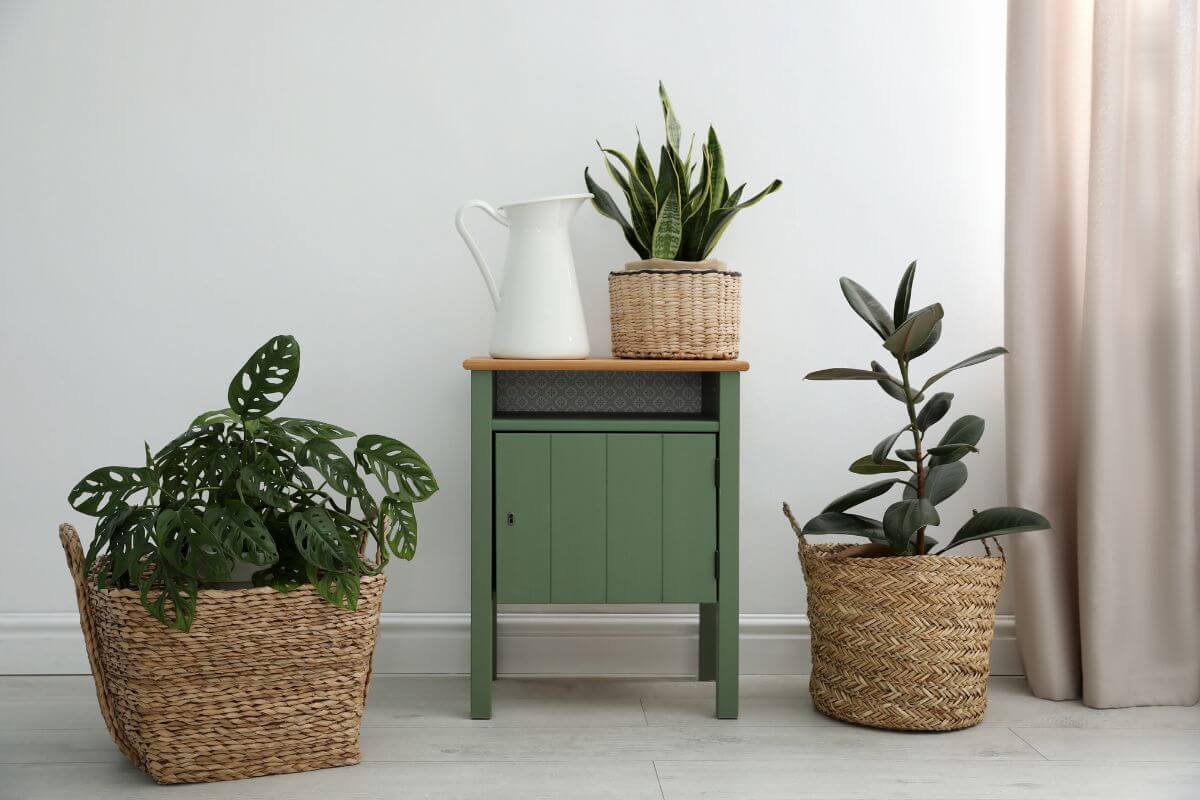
x,y
719,220
978,358
998,522
860,495
880,454
401,526
320,540
333,465
105,489
669,121
868,466
903,518
836,522
604,203
716,171
842,374
218,417
266,378
904,294
241,530
618,178
934,336
941,482
891,384
167,595
728,199
338,588
958,440
398,468
642,209
312,429
668,230
913,333
937,407
868,308
644,170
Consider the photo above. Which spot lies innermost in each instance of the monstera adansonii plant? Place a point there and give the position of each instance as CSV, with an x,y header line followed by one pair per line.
x,y
926,474
239,486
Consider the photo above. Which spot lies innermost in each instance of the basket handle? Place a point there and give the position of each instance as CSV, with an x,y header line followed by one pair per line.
x,y
787,512
75,563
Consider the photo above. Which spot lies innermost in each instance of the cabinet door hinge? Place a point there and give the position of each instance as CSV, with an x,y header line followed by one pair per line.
x,y
716,564
716,472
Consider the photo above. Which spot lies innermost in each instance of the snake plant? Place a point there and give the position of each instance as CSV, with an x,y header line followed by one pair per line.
x,y
239,486
670,216
927,474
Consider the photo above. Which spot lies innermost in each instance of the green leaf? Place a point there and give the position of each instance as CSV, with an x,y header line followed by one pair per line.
x,y
338,588
320,540
399,468
880,454
914,332
866,306
716,174
643,170
266,378
904,294
334,466
312,429
131,542
260,483
998,522
835,522
401,526
868,466
934,336
106,528
978,358
604,203
218,417
861,495
668,228
242,532
842,374
941,482
286,574
906,454
669,121
903,518
891,384
168,595
937,407
105,489
714,229
958,440
186,438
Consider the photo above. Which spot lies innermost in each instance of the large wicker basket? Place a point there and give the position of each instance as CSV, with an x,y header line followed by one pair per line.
x,y
264,682
901,642
675,313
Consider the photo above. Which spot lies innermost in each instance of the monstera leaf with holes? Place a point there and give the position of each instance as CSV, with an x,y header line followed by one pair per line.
x,y
239,487
926,474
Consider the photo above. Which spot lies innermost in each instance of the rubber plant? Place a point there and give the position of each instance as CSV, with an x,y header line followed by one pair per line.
x,y
670,217
928,474
241,487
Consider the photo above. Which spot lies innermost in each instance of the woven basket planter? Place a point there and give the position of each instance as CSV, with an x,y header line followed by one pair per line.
x,y
677,313
901,642
264,682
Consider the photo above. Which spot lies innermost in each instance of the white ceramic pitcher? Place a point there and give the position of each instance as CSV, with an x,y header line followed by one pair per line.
x,y
538,310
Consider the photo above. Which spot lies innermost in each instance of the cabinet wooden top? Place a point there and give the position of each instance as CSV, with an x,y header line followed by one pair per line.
x,y
604,365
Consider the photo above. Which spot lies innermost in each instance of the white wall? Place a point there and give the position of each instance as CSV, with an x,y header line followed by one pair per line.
x,y
179,181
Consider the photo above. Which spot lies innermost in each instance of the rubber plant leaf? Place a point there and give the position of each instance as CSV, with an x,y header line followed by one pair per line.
x,y
861,495
914,332
866,306
998,522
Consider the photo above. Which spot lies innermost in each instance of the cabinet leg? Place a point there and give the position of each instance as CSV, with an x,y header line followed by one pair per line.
x,y
495,640
708,642
727,660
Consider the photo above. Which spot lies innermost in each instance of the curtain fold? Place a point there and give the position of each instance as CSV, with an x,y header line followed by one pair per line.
x,y
1102,294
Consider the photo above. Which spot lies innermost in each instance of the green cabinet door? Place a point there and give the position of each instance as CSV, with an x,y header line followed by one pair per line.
x,y
689,518
578,515
635,480
522,518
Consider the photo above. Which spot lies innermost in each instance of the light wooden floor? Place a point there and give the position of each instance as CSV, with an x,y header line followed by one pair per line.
x,y
633,739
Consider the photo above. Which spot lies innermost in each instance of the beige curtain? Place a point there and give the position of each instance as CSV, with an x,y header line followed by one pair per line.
x,y
1102,314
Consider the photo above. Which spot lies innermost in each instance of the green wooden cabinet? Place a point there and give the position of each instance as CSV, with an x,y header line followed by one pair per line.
x,y
576,501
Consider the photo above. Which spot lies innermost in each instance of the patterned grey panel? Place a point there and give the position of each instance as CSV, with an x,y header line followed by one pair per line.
x,y
536,392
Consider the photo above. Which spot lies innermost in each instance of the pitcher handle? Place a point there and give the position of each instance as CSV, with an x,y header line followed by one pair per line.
x,y
474,248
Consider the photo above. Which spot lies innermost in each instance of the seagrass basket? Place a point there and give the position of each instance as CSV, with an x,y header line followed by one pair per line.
x,y
263,683
694,314
901,642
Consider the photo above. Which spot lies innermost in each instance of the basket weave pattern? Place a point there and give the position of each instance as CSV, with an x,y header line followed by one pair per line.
x,y
675,314
904,642
264,683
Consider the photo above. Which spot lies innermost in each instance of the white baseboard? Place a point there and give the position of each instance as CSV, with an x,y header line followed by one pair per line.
x,y
552,643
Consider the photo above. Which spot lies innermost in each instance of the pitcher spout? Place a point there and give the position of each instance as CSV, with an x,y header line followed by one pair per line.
x,y
544,212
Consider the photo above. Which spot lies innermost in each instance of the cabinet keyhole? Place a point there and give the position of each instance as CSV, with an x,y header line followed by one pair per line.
x,y
511,518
